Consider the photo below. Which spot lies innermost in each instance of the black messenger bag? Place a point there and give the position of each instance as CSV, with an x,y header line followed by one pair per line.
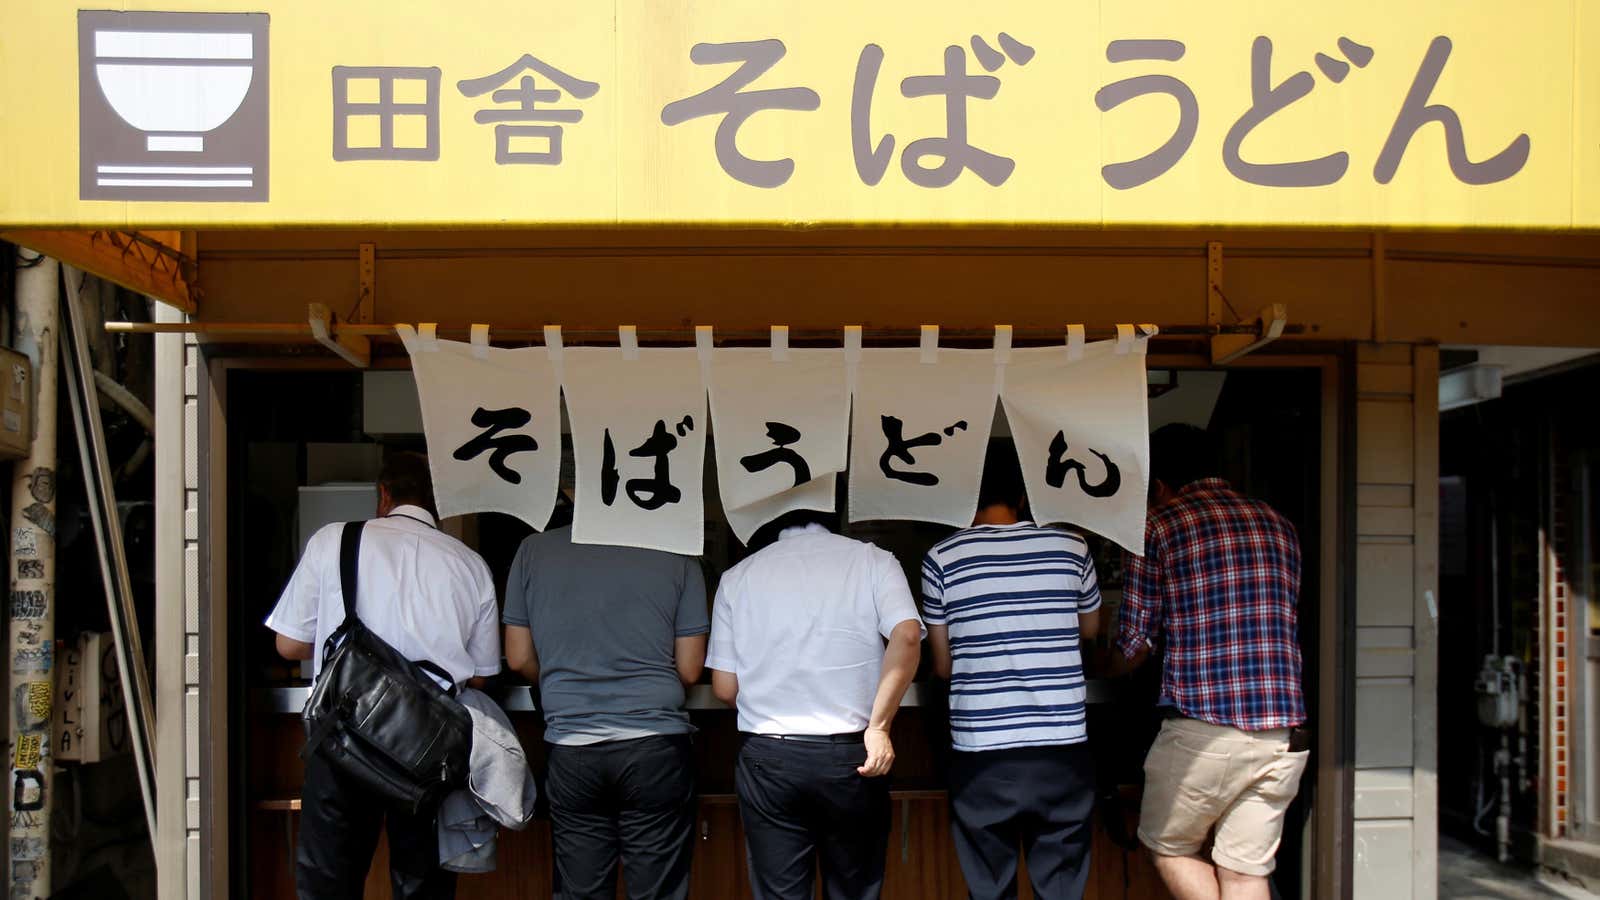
x,y
377,718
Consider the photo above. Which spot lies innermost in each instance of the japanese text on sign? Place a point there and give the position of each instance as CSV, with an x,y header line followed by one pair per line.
x,y
934,161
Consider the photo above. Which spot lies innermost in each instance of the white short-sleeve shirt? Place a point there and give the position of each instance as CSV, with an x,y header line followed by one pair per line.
x,y
424,592
802,625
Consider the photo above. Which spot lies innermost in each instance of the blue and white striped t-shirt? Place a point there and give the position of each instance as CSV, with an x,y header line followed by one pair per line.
x,y
1011,595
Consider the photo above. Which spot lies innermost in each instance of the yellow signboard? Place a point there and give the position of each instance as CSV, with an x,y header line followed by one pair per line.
x,y
1048,112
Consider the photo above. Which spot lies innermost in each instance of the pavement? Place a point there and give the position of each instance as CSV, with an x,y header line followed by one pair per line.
x,y
1467,874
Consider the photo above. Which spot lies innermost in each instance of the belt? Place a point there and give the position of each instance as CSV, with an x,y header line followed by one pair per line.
x,y
855,737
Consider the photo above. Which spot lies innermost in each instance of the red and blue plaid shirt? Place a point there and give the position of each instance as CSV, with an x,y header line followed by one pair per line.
x,y
1219,581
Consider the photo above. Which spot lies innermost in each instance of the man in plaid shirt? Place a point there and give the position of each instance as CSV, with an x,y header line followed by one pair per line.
x,y
1217,585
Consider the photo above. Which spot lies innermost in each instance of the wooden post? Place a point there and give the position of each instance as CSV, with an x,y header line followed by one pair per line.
x,y
1425,640
33,576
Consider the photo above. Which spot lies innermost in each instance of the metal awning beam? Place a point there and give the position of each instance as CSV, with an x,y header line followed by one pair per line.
x,y
1269,325
150,263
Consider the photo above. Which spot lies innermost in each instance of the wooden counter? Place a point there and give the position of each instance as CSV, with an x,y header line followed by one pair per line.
x,y
921,862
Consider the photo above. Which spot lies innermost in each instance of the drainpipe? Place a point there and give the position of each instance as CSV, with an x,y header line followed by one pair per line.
x,y
33,571
1524,783
1502,822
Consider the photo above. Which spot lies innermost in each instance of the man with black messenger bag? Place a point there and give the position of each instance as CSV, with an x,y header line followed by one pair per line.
x,y
385,738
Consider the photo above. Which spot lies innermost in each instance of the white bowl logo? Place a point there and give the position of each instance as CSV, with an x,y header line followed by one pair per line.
x,y
191,84
186,97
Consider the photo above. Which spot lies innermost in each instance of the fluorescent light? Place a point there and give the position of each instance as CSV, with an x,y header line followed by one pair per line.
x,y
1468,385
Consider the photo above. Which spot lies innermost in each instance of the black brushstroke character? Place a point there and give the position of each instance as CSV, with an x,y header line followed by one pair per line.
x,y
900,448
646,493
782,435
1056,469
501,446
609,476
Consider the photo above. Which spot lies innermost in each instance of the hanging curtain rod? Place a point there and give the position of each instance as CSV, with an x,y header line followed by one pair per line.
x,y
665,335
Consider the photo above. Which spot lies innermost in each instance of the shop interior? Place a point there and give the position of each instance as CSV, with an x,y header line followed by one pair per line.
x,y
293,465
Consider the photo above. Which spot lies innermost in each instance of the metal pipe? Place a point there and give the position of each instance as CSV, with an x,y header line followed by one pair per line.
x,y
1502,822
1494,579
1523,782
135,460
683,335
33,588
1481,804
101,499
125,399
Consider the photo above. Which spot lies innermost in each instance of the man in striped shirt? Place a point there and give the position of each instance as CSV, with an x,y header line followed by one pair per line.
x,y
1007,603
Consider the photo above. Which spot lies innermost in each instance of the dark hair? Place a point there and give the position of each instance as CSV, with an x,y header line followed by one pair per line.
x,y
1182,454
1002,477
767,534
405,476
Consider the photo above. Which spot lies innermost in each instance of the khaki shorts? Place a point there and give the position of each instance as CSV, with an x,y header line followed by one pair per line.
x,y
1199,777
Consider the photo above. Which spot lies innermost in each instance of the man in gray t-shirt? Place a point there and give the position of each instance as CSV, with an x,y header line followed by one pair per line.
x,y
613,635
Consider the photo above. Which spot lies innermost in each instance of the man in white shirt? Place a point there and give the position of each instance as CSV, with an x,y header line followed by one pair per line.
x,y
815,640
429,597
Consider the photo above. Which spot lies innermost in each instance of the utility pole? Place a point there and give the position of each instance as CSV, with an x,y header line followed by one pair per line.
x,y
33,582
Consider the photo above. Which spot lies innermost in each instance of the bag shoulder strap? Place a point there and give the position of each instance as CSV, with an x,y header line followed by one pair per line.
x,y
349,556
319,733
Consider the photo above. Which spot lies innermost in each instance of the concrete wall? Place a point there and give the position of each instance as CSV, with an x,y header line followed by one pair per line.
x,y
1396,816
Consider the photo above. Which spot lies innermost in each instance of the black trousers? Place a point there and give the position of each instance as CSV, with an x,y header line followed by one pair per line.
x,y
339,825
804,804
1038,798
634,799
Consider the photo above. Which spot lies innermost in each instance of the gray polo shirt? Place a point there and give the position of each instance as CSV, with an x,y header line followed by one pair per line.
x,y
603,621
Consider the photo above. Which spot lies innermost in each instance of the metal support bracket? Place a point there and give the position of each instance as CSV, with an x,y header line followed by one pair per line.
x,y
366,308
1225,348
1214,299
355,349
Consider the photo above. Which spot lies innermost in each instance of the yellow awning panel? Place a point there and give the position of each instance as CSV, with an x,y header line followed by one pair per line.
x,y
1077,113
